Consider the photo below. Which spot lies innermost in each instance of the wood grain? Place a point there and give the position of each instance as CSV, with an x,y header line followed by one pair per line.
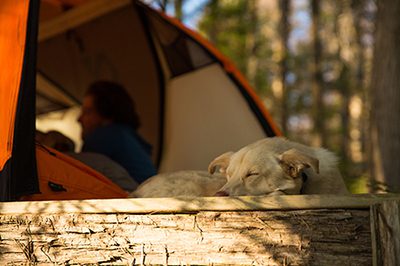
x,y
179,205
385,225
299,237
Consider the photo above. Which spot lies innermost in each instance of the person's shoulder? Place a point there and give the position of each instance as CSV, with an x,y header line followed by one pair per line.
x,y
111,130
104,139
122,132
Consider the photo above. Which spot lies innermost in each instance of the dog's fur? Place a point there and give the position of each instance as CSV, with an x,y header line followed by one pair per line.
x,y
271,166
181,183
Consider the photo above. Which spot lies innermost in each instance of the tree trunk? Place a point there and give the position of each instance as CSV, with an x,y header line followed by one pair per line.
x,y
163,4
284,33
213,30
344,82
252,41
317,83
178,4
344,86
385,96
362,89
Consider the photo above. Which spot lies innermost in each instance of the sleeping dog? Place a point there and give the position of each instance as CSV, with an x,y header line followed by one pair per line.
x,y
271,166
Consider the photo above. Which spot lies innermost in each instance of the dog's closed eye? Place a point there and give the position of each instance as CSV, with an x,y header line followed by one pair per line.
x,y
251,174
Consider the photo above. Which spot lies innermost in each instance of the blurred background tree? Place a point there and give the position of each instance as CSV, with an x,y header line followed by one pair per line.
x,y
385,98
311,61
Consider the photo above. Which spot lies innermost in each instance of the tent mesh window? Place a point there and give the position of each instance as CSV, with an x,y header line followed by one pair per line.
x,y
181,52
45,104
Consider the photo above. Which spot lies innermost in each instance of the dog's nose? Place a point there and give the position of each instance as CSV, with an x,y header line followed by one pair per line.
x,y
221,193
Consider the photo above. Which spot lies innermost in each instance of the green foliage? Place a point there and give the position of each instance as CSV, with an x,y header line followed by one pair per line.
x,y
228,25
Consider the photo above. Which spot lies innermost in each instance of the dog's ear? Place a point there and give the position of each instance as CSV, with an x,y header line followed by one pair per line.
x,y
294,162
221,161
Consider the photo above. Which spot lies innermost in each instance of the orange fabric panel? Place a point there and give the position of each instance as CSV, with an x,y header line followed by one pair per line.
x,y
79,180
64,2
49,10
13,24
228,66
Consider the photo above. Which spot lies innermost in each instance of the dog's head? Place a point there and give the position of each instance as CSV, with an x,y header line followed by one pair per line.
x,y
258,171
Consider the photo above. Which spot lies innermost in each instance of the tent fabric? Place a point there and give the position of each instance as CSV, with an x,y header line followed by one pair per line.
x,y
235,74
182,53
12,45
23,155
61,178
49,97
204,109
19,176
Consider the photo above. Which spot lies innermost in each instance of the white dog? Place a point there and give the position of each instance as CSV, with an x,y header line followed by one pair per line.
x,y
271,166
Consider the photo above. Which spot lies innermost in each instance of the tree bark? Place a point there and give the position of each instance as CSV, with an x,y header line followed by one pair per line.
x,y
299,237
163,4
344,87
213,30
317,83
385,96
252,41
178,4
359,15
284,33
385,228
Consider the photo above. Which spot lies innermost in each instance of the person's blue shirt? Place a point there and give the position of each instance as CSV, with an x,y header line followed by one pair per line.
x,y
123,145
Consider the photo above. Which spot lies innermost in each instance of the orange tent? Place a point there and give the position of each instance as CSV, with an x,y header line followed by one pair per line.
x,y
192,101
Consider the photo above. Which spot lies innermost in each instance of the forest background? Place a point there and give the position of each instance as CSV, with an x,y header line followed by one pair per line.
x,y
327,70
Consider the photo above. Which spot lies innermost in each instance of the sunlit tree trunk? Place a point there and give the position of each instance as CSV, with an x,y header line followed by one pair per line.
x,y
284,34
317,82
385,96
163,4
252,41
178,4
213,28
344,87
358,15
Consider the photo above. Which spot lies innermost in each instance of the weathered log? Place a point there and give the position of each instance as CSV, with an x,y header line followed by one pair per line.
x,y
179,205
287,230
319,237
385,225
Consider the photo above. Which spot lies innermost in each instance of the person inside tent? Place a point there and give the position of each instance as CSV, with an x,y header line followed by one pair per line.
x,y
109,126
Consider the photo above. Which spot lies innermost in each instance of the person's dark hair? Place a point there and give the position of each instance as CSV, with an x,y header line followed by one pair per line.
x,y
112,101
